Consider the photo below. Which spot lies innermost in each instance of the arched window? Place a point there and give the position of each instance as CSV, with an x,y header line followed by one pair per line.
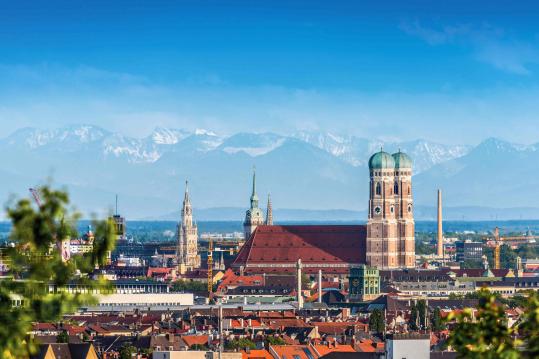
x,y
378,189
408,191
396,188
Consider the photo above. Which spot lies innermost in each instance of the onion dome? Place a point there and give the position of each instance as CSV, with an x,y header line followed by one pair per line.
x,y
381,160
402,160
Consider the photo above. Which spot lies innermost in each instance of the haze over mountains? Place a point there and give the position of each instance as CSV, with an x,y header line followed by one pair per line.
x,y
313,173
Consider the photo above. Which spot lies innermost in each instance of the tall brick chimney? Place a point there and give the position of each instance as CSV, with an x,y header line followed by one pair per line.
x,y
440,235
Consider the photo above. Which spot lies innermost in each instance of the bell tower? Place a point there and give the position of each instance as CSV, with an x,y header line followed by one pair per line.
x,y
405,206
382,236
390,225
253,216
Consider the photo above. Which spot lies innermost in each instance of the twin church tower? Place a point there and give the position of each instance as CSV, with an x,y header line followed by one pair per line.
x,y
390,225
390,241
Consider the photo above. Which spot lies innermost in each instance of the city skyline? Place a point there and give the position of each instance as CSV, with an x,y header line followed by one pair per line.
x,y
451,72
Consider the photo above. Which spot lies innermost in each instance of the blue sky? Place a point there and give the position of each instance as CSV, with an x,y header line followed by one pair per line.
x,y
445,71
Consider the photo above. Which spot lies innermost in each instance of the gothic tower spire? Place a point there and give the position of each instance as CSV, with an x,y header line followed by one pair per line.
x,y
254,197
269,212
254,215
187,210
187,251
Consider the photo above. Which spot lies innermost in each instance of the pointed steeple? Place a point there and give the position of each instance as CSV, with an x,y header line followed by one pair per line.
x,y
222,262
187,211
186,194
254,197
187,251
269,212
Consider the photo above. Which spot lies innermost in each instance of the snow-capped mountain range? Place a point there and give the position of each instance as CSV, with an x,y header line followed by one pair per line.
x,y
353,150
306,170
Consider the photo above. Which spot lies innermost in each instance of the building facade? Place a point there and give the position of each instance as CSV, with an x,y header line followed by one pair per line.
x,y
390,225
469,251
254,216
187,252
364,283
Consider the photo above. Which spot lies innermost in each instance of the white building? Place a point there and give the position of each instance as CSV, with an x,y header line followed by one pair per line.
x,y
408,346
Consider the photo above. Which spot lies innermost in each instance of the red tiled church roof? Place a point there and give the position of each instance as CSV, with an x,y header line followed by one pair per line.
x,y
326,247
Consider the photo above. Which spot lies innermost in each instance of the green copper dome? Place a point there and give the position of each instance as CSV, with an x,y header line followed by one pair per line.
x,y
381,160
402,160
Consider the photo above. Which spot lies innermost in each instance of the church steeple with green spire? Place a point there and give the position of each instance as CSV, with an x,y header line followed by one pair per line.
x,y
254,197
254,215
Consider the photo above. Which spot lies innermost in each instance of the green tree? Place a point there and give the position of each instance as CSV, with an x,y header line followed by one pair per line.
x,y
377,321
63,337
305,281
188,286
418,315
436,321
240,344
529,327
35,265
273,340
488,337
127,351
508,257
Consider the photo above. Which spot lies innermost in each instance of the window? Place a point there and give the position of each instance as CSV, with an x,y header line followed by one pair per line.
x,y
396,188
378,189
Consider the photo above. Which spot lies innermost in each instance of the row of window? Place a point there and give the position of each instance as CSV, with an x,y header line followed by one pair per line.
x,y
378,189
396,173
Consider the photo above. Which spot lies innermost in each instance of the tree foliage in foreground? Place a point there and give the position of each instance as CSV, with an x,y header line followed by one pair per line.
x,y
35,265
488,336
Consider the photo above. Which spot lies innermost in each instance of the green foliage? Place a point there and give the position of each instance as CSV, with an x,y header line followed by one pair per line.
x,y
127,351
424,247
240,344
527,251
305,281
272,340
418,315
377,321
470,264
63,337
199,347
529,327
189,286
36,265
436,321
488,337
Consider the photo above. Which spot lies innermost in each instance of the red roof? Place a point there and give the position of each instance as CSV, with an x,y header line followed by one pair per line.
x,y
327,247
191,340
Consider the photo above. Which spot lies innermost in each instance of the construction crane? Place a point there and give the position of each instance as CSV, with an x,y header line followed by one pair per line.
x,y
210,267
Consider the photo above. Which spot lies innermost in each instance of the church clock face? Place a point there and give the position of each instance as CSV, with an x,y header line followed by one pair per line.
x,y
377,210
355,282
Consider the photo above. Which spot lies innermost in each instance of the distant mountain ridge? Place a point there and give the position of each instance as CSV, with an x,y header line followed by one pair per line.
x,y
308,170
351,149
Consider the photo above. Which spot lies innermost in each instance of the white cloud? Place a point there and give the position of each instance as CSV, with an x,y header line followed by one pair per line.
x,y
489,45
133,106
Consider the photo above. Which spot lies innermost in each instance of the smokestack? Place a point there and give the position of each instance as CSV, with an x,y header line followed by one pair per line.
x,y
300,297
440,245
320,286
